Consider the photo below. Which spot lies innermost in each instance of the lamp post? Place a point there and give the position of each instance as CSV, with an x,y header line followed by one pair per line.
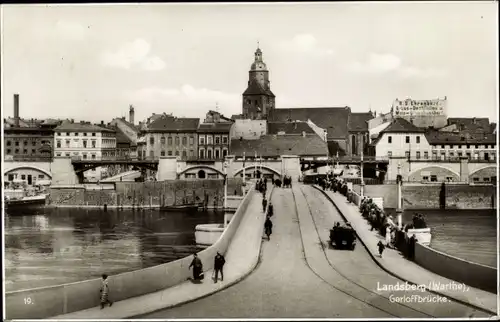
x,y
244,172
399,210
361,170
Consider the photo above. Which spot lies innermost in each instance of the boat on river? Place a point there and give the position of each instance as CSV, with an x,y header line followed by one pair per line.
x,y
25,202
188,208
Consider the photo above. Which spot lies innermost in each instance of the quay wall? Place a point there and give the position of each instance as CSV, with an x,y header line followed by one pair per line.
x,y
457,269
56,300
146,194
427,195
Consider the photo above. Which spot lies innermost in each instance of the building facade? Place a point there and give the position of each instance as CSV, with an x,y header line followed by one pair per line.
x,y
214,137
258,99
86,141
422,113
170,136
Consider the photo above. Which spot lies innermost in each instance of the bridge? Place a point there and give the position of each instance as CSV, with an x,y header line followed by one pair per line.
x,y
286,276
369,161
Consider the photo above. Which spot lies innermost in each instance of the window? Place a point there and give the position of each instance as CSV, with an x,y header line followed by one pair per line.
x,y
177,153
176,140
389,154
33,143
76,134
449,179
68,134
217,154
33,151
58,143
169,140
477,146
468,146
16,143
67,143
184,154
162,140
460,146
191,140
169,153
202,154
162,153
460,154
224,153
93,144
426,155
93,134
85,156
8,151
442,146
202,140
8,143
434,178
451,154
84,134
58,154
11,177
209,154
25,151
486,179
16,151
407,139
418,154
23,177
389,139
184,140
151,154
224,139
151,140
217,140
425,178
475,179
407,154
85,143
418,139
191,153
209,139
67,154
93,156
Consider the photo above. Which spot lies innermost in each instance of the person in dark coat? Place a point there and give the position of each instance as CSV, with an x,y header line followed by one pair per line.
x,y
219,262
264,204
197,268
268,227
270,210
381,248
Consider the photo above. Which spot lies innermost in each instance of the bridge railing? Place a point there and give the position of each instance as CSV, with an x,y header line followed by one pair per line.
x,y
27,158
357,158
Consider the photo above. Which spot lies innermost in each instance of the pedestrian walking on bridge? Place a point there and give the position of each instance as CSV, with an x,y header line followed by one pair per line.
x,y
219,262
381,248
264,204
197,268
105,292
268,227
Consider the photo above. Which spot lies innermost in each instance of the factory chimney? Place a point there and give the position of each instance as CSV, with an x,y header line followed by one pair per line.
x,y
16,110
131,114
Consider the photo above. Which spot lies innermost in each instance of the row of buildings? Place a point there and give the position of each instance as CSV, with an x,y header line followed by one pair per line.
x,y
413,129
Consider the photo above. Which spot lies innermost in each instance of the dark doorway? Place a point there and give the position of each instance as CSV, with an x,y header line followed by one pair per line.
x,y
30,180
201,174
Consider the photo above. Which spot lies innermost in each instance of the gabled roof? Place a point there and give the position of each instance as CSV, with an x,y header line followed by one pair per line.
x,y
81,127
472,124
168,123
133,127
437,137
121,137
223,127
289,128
359,121
276,145
400,125
333,119
255,88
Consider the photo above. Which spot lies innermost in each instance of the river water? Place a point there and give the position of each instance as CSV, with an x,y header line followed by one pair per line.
x,y
54,246
467,234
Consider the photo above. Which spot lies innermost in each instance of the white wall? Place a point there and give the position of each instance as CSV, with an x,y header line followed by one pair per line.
x,y
76,147
398,145
248,129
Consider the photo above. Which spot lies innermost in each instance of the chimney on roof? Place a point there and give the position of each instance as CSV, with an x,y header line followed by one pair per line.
x,y
102,122
131,114
16,110
474,120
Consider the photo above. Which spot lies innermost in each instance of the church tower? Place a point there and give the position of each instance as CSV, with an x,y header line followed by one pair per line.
x,y
258,100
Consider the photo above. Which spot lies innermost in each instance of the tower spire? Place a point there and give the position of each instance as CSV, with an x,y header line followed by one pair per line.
x,y
258,45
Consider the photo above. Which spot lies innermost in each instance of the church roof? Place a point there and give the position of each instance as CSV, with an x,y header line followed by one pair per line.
x,y
333,119
174,124
255,88
359,121
289,128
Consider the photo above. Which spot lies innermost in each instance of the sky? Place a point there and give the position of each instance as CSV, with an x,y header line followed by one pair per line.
x,y
90,62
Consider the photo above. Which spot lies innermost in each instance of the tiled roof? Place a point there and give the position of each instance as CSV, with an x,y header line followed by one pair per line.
x,y
289,128
222,117
121,137
173,124
223,127
436,137
276,145
332,119
79,127
359,121
334,147
472,124
255,88
400,125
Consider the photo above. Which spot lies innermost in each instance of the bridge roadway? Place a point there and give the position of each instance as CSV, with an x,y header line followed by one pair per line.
x,y
298,277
